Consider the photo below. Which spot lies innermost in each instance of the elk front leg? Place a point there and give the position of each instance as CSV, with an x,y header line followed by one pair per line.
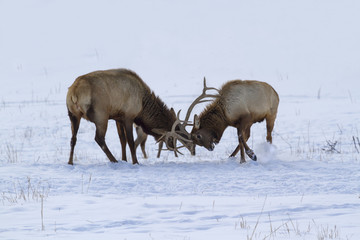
x,y
248,151
121,132
235,151
130,140
247,136
242,154
243,145
160,148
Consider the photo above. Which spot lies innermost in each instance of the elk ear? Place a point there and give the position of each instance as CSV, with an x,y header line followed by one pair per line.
x,y
172,112
196,122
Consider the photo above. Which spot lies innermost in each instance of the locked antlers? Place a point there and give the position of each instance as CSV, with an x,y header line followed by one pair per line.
x,y
178,131
173,136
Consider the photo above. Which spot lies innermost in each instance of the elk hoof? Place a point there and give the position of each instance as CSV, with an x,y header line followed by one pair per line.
x,y
251,154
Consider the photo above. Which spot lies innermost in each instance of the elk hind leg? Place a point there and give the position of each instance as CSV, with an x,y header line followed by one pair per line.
x,y
75,123
100,139
100,119
270,121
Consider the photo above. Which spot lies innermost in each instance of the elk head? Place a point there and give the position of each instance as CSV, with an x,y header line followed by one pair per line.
x,y
199,136
202,136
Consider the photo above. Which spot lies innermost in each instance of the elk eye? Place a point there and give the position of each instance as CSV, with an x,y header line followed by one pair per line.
x,y
198,136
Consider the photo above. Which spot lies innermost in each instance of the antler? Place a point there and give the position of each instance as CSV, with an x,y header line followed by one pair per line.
x,y
199,100
175,136
178,134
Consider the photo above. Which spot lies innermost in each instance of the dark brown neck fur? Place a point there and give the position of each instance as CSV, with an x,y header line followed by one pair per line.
x,y
213,119
155,115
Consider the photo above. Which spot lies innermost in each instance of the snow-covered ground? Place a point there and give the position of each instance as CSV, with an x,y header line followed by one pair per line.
x,y
304,186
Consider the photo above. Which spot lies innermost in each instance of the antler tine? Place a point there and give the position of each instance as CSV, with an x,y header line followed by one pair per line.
x,y
175,150
177,121
174,134
198,99
208,88
174,143
181,132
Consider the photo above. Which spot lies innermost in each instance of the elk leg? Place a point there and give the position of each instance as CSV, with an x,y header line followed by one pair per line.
x,y
160,148
240,147
248,151
247,136
75,123
243,144
100,140
242,154
247,133
121,132
235,151
269,127
140,140
142,145
130,140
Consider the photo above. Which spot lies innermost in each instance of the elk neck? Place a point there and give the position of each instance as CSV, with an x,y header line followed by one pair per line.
x,y
213,119
154,115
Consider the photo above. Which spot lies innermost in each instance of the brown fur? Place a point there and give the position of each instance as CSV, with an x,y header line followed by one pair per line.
x,y
240,104
214,120
117,94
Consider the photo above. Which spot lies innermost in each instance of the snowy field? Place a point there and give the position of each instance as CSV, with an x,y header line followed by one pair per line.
x,y
304,186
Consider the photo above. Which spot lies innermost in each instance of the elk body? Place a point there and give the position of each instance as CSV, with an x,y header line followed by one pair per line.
x,y
121,95
239,104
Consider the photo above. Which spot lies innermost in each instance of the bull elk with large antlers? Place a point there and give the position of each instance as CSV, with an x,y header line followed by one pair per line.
x,y
121,95
238,104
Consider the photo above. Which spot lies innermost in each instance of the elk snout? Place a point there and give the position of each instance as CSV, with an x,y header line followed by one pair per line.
x,y
204,139
211,147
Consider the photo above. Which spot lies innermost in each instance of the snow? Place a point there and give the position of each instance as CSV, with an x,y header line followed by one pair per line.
x,y
300,188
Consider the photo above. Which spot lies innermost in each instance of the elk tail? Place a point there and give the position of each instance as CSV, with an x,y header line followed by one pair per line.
x,y
74,99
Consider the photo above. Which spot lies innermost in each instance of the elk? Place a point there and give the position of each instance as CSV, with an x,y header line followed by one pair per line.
x,y
121,95
238,104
